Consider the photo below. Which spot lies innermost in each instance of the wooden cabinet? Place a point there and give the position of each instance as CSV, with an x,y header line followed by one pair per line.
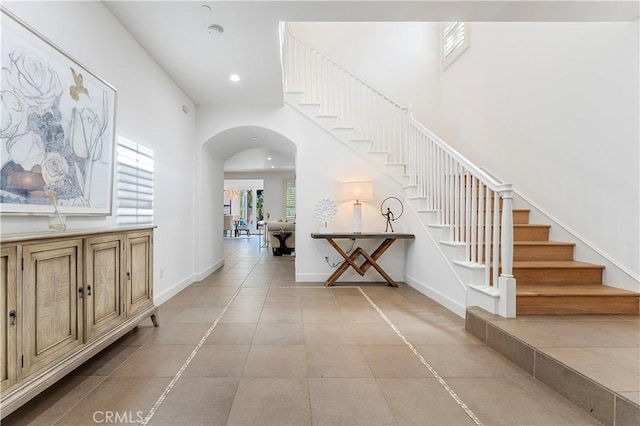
x,y
8,320
51,302
64,297
104,307
139,273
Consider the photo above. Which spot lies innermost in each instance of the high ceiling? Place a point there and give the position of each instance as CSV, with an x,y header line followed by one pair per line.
x,y
200,61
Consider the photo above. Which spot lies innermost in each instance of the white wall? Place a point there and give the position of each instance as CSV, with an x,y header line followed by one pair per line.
x,y
149,112
554,109
322,164
400,58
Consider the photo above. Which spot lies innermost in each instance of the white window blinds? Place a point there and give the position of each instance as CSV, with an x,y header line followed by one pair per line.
x,y
290,199
455,40
134,183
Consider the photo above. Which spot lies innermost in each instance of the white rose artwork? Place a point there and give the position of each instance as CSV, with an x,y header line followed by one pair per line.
x,y
57,128
325,211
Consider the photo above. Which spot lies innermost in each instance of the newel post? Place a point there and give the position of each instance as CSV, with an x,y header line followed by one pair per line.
x,y
506,282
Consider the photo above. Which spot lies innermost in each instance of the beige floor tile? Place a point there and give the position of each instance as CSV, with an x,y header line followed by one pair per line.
x,y
196,315
254,291
467,361
105,362
500,401
336,361
197,401
155,361
139,335
596,368
348,402
281,315
261,282
422,402
438,332
53,403
130,398
218,361
241,314
394,361
248,301
268,333
276,361
179,334
625,357
580,334
232,333
271,402
361,315
322,315
276,302
632,396
374,334
327,334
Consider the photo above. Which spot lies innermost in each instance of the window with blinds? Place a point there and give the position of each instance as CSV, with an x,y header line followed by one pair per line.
x,y
455,40
290,199
134,183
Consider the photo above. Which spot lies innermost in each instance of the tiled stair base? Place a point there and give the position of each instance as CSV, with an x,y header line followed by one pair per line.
x,y
603,404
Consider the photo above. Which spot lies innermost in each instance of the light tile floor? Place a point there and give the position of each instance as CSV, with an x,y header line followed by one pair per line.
x,y
286,353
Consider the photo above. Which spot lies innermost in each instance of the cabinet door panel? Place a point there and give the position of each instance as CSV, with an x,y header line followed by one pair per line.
x,y
139,271
51,302
8,327
103,308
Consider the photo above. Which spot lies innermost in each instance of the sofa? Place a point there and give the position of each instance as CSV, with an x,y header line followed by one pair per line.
x,y
274,240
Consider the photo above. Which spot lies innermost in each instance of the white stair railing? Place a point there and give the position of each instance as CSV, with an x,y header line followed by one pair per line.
x,y
356,103
476,206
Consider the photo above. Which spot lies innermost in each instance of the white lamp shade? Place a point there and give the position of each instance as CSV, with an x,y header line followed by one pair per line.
x,y
359,191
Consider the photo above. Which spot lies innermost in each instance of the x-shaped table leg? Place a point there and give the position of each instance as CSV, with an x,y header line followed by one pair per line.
x,y
370,260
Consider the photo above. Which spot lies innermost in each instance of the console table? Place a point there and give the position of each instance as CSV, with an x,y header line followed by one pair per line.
x,y
387,238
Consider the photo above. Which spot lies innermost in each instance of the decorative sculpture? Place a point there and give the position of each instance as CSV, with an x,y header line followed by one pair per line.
x,y
389,210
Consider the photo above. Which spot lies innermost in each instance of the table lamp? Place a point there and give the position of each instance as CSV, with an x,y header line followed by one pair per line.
x,y
358,191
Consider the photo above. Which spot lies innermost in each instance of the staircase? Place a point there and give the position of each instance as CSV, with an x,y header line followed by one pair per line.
x,y
468,212
551,282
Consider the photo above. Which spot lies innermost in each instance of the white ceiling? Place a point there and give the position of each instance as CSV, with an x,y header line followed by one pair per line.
x,y
175,35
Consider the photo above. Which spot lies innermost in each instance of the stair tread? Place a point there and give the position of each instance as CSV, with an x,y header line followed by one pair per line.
x,y
550,264
571,290
543,243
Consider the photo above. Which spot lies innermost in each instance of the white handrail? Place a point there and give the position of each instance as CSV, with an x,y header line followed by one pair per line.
x,y
465,196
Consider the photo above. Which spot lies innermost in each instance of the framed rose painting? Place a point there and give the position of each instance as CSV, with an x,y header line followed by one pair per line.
x,y
57,130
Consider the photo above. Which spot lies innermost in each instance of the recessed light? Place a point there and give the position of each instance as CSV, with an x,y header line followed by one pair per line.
x,y
273,167
269,158
215,29
234,77
255,138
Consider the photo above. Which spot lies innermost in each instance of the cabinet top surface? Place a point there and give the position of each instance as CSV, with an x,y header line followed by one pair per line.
x,y
362,235
14,238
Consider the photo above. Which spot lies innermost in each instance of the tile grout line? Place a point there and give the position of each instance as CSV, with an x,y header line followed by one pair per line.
x,y
175,379
440,380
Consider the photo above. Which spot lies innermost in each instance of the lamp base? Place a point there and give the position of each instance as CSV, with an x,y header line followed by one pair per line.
x,y
357,218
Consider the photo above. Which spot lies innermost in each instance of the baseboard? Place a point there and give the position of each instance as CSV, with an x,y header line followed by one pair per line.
x,y
199,276
449,303
159,299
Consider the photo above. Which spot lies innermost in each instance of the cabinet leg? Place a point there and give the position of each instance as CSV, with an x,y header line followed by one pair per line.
x,y
154,320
